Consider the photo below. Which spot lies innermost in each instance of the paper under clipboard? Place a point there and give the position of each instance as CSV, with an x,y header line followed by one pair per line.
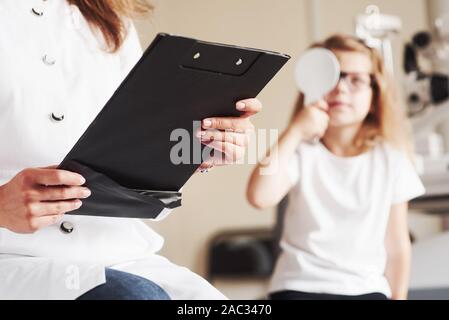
x,y
125,152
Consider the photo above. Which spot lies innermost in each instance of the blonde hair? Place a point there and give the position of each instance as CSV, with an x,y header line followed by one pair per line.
x,y
387,119
107,16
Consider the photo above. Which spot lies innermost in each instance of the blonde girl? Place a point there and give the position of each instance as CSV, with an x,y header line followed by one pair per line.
x,y
345,230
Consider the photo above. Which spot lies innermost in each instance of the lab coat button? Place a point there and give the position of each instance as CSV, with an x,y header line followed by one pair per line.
x,y
48,60
37,12
67,227
57,117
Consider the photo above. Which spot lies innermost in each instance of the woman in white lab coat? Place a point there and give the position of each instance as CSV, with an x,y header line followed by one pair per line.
x,y
60,61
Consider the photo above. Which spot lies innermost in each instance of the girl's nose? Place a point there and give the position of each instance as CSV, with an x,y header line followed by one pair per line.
x,y
342,85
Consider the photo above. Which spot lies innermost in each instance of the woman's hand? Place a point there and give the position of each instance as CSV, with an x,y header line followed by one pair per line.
x,y
39,197
312,121
228,136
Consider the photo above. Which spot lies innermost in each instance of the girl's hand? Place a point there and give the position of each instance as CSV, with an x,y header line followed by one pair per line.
x,y
228,136
39,197
312,121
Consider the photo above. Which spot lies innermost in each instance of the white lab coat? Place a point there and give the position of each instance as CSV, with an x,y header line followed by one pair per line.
x,y
54,63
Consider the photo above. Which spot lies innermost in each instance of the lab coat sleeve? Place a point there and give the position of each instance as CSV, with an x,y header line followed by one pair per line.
x,y
131,49
165,213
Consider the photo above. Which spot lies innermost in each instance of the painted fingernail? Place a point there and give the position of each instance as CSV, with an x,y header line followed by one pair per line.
x,y
207,123
86,193
240,106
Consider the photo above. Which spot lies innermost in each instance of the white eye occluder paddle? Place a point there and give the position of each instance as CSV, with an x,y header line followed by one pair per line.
x,y
317,73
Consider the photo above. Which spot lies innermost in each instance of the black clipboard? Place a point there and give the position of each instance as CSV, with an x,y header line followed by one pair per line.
x,y
124,154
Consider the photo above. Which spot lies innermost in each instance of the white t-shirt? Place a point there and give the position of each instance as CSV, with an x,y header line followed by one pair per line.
x,y
336,219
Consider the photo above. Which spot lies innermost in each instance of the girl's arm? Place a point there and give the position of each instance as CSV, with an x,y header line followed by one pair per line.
x,y
398,247
270,180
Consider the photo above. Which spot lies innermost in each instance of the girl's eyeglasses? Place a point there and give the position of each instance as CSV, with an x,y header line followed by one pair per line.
x,y
357,81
